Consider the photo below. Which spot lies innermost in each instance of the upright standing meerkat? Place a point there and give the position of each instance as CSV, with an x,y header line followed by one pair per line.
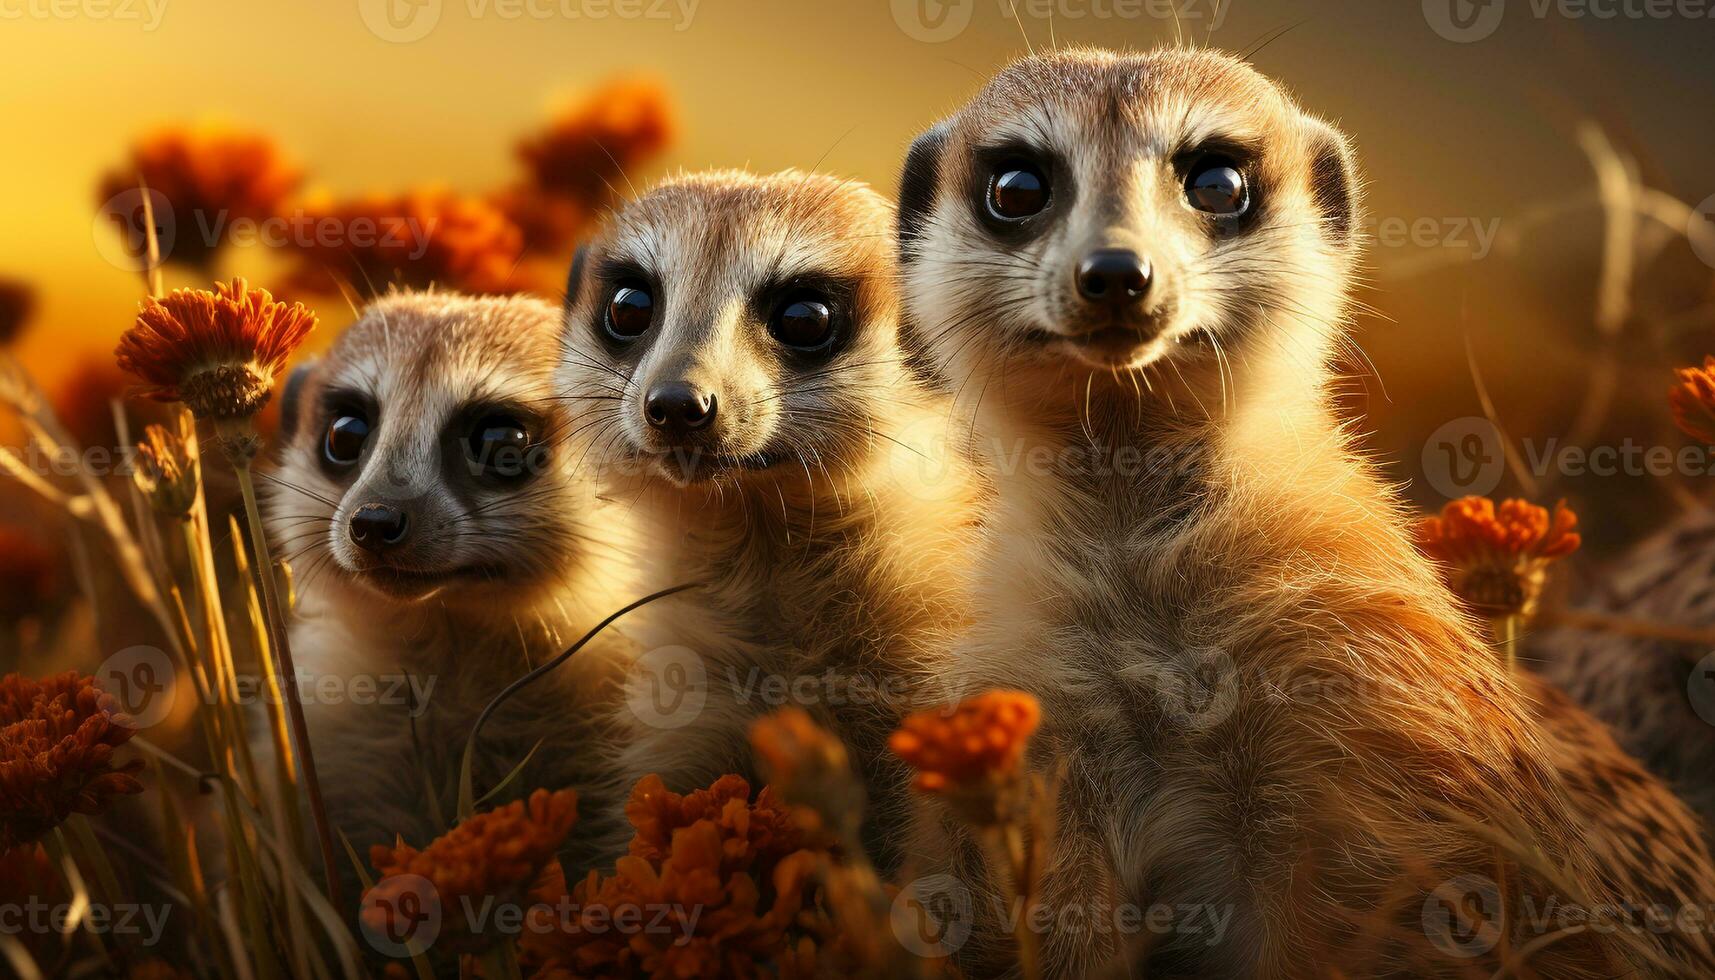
x,y
732,341
444,546
1256,697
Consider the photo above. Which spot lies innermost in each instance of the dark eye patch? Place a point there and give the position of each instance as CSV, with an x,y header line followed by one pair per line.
x,y
640,296
348,420
1016,189
810,317
498,444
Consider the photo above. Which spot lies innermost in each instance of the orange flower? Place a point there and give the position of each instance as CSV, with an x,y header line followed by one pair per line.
x,y
811,769
212,176
493,855
83,402
589,147
1496,559
218,352
57,738
422,238
1693,401
17,302
981,740
715,885
163,470
29,575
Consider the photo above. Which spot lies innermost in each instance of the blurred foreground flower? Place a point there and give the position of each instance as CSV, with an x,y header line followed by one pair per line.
x,y
972,757
57,738
418,239
165,473
978,742
218,352
810,768
17,302
1693,401
591,145
492,856
1496,559
725,887
29,575
213,176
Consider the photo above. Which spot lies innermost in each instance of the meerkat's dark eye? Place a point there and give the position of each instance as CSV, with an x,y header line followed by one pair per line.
x,y
804,320
1017,190
499,448
1216,185
346,435
629,311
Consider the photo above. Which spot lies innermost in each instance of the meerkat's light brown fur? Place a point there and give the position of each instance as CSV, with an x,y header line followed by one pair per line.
x,y
828,525
494,579
1255,695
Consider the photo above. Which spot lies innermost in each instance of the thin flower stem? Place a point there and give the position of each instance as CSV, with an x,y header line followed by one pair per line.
x,y
1006,855
264,573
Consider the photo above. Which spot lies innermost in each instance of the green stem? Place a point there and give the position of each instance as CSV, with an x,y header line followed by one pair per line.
x,y
263,569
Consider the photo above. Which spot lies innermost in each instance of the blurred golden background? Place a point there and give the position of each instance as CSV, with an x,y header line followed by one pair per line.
x,y
1478,152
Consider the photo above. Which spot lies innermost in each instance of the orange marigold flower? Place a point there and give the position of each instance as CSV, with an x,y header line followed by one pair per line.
x,y
218,352
982,739
17,302
1496,559
212,175
57,738
29,575
715,885
418,239
590,146
1693,400
494,855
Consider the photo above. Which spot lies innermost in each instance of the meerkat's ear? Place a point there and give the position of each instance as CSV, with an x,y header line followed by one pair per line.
x,y
917,184
575,278
290,394
1334,182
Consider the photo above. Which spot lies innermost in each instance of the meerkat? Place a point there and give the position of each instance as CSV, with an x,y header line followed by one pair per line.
x,y
733,342
443,547
1255,695
1657,695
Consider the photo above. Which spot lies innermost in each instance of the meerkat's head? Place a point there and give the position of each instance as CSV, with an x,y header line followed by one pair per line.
x,y
733,328
1093,214
420,457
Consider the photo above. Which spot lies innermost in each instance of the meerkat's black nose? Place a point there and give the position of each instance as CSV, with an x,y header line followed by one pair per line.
x,y
1115,277
377,527
678,408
